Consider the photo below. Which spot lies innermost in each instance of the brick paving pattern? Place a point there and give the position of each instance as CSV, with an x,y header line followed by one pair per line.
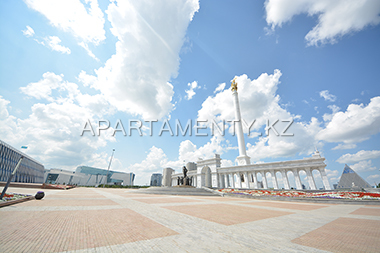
x,y
77,196
367,211
121,220
286,205
226,214
70,202
159,200
344,235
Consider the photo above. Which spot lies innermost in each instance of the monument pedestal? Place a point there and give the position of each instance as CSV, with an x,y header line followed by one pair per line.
x,y
243,160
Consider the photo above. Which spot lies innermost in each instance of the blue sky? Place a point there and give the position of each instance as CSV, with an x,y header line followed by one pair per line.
x,y
68,62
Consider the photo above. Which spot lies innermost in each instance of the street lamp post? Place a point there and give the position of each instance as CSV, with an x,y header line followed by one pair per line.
x,y
10,177
109,165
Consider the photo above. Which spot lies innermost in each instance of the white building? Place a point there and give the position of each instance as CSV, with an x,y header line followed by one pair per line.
x,y
88,176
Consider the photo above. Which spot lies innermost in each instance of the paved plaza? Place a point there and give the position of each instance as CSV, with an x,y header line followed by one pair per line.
x,y
123,220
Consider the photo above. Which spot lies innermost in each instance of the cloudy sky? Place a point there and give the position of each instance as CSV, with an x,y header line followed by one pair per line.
x,y
69,65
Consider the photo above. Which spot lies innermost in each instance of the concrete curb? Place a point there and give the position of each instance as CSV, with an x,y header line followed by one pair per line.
x,y
214,191
16,201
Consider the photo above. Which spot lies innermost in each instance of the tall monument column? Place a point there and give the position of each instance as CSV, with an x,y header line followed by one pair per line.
x,y
242,159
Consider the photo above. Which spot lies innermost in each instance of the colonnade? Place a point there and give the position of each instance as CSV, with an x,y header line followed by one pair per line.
x,y
248,179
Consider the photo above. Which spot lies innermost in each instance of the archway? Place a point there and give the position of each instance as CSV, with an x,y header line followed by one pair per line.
x,y
304,181
291,180
317,179
280,180
268,176
259,178
206,177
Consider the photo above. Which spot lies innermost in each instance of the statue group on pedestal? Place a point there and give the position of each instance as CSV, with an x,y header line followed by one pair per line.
x,y
185,180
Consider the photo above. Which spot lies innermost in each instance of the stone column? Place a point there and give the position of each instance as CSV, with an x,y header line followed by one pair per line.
x,y
297,179
285,179
242,159
274,179
220,180
232,181
167,177
265,185
225,180
310,179
325,180
199,181
247,180
255,186
240,182
214,179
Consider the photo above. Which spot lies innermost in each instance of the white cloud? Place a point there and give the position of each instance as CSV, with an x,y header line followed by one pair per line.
x,y
375,177
89,52
3,108
43,88
220,87
66,92
52,134
150,36
363,166
359,156
53,43
52,130
83,21
356,124
155,162
29,32
85,79
190,153
190,92
335,18
334,109
327,96
332,173
344,146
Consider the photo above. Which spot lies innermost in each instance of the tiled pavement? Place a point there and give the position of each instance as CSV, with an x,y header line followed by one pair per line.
x,y
120,220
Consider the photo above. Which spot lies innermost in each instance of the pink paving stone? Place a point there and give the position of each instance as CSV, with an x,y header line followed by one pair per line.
x,y
75,196
344,235
69,202
223,199
138,195
287,205
73,230
367,211
166,200
226,214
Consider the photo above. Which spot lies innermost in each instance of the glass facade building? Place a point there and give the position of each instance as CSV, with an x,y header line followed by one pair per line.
x,y
156,179
88,176
30,171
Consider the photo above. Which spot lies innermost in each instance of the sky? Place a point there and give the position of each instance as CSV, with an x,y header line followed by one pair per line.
x,y
131,71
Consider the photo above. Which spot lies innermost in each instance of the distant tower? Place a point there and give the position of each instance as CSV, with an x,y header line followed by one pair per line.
x,y
242,159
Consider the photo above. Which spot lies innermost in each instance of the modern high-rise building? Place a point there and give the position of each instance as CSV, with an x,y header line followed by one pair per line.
x,y
30,170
